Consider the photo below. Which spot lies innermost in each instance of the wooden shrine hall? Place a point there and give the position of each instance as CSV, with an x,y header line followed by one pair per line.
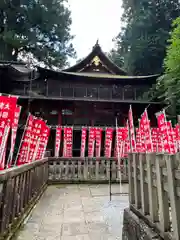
x,y
91,93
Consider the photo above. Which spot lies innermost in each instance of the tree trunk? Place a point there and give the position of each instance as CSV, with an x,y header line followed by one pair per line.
x,y
6,52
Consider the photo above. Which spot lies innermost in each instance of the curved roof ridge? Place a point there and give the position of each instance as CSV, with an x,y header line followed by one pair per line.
x,y
96,51
106,75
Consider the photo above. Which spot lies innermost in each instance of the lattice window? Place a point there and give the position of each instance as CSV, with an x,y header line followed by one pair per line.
x,y
92,92
105,92
140,92
67,91
117,92
79,92
53,88
129,92
38,87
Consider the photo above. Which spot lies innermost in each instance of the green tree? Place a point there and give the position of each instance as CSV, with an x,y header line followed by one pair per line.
x,y
116,57
142,42
169,83
39,27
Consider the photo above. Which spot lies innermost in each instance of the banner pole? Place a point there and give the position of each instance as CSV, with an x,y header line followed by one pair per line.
x,y
55,152
3,143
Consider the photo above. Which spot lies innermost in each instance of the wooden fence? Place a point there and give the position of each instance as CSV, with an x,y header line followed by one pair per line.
x,y
86,170
154,187
20,187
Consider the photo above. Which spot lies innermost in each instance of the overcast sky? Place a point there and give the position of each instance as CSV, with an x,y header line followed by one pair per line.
x,y
92,20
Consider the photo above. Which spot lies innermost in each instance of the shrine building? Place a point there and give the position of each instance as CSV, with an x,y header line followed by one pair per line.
x,y
91,93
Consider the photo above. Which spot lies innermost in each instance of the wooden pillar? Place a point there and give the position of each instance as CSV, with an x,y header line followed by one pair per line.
x,y
60,116
92,115
153,196
131,179
143,184
137,189
163,198
47,88
172,162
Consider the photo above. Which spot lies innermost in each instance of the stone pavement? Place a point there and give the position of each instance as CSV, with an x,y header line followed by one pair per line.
x,y
76,212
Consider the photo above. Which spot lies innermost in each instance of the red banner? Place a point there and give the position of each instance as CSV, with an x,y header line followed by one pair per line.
x,y
58,140
98,138
166,132
171,138
121,138
7,109
131,129
145,129
83,141
177,136
24,148
154,136
162,128
68,142
91,142
139,141
108,142
14,133
38,125
127,147
43,142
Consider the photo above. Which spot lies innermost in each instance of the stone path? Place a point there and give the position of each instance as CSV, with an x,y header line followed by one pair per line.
x,y
76,212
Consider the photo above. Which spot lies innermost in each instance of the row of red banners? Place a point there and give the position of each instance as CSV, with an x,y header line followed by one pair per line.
x,y
34,140
164,138
94,141
95,135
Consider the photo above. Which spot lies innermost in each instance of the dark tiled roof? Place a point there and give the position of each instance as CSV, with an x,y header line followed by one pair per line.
x,y
18,68
97,51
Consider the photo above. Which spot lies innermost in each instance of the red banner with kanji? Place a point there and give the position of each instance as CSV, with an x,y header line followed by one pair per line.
x,y
58,140
24,148
145,129
131,130
121,138
68,142
38,125
108,142
14,132
7,109
166,132
91,142
43,142
83,141
98,139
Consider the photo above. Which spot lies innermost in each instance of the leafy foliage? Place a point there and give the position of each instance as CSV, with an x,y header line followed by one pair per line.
x,y
142,42
116,57
41,28
169,83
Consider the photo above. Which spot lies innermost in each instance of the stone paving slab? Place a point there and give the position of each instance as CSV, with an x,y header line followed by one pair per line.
x,y
77,212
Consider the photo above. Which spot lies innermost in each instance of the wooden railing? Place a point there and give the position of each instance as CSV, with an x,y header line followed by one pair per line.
x,y
20,187
86,170
154,187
